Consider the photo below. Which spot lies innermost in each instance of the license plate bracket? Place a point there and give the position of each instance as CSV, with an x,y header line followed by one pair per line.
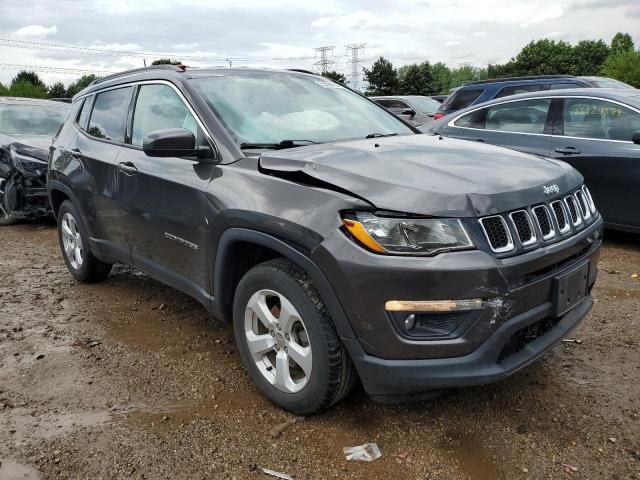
x,y
570,289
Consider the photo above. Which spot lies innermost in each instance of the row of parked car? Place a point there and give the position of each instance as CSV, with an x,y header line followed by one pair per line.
x,y
345,245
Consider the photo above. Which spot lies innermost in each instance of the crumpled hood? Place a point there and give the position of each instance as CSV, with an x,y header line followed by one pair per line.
x,y
35,146
427,175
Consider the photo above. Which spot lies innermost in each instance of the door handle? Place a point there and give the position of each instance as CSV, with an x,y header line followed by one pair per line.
x,y
481,140
568,150
127,168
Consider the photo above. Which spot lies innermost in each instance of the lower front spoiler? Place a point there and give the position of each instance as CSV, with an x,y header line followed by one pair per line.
x,y
391,381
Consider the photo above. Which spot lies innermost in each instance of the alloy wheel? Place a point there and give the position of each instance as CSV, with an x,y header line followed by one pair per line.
x,y
71,241
278,341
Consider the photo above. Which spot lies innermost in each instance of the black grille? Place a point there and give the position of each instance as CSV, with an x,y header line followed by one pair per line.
x,y
561,218
544,222
523,337
496,231
523,227
571,204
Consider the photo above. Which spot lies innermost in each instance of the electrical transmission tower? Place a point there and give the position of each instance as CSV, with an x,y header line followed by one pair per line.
x,y
322,66
355,49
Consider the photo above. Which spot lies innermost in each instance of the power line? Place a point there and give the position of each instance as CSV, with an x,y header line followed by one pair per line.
x,y
355,49
322,66
32,45
51,69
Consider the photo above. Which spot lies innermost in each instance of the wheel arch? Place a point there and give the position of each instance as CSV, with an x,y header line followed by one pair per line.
x,y
229,269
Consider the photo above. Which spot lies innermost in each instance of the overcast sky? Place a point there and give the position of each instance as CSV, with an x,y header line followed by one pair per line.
x,y
262,32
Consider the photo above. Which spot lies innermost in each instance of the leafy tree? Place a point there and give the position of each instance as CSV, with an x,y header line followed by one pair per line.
x,y
24,88
80,84
467,73
335,76
441,78
509,69
546,57
166,61
4,91
621,42
624,66
588,57
28,76
416,79
382,78
57,90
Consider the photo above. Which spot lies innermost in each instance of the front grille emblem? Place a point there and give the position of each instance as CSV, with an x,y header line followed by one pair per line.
x,y
549,189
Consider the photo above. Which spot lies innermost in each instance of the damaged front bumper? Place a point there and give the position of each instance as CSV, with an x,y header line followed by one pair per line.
x,y
520,311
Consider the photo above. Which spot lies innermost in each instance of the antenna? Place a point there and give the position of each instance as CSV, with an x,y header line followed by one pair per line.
x,y
355,49
322,66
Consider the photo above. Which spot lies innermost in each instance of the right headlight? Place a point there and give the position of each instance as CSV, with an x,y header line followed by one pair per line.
x,y
407,236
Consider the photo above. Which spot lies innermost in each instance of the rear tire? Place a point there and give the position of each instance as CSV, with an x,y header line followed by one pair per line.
x,y
304,345
74,243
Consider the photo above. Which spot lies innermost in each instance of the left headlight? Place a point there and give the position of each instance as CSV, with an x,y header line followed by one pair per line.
x,y
407,236
28,165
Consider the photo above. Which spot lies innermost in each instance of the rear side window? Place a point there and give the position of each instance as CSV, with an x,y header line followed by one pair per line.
x,y
527,116
83,114
461,99
159,107
109,115
598,119
393,104
507,91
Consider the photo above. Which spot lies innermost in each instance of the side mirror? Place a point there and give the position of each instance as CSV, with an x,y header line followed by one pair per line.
x,y
173,142
409,112
636,138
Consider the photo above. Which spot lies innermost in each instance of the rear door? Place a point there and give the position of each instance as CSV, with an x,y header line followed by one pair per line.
x,y
519,125
595,137
163,199
102,132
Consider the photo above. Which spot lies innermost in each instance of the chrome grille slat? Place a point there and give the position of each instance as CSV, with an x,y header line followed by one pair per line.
x,y
561,215
587,193
543,218
497,233
574,212
524,228
584,207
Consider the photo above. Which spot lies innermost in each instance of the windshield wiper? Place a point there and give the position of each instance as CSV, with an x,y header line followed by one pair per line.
x,y
277,146
378,135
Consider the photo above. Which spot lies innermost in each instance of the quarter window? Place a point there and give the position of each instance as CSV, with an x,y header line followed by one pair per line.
x,y
527,116
159,107
109,115
598,119
507,91
461,99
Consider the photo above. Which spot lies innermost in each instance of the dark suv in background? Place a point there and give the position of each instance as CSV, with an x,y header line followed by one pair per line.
x,y
481,91
340,242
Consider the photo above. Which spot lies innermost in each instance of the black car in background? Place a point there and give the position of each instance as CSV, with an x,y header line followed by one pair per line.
x,y
26,129
473,93
416,109
595,130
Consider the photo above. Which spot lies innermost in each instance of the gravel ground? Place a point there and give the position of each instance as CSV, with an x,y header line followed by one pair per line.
x,y
131,379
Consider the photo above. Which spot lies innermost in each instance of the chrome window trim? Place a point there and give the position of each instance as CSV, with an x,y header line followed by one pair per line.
x,y
567,217
578,221
452,122
533,239
552,231
510,245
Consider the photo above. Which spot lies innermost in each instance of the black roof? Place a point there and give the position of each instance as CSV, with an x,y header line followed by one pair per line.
x,y
518,79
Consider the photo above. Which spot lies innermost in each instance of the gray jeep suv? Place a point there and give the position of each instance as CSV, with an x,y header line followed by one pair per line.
x,y
343,245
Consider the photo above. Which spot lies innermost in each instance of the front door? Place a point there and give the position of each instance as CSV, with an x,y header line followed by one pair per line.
x,y
595,138
163,199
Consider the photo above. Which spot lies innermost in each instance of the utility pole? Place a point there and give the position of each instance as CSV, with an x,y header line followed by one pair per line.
x,y
355,49
322,66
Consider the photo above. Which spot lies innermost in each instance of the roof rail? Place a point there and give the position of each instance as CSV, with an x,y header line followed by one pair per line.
x,y
301,70
508,79
173,68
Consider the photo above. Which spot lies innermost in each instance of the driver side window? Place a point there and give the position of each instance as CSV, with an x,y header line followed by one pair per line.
x,y
159,107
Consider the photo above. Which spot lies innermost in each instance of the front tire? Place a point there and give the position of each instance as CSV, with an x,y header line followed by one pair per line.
x,y
74,243
287,340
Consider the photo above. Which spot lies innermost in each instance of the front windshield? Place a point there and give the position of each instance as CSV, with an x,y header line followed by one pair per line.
x,y
425,104
18,119
267,108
